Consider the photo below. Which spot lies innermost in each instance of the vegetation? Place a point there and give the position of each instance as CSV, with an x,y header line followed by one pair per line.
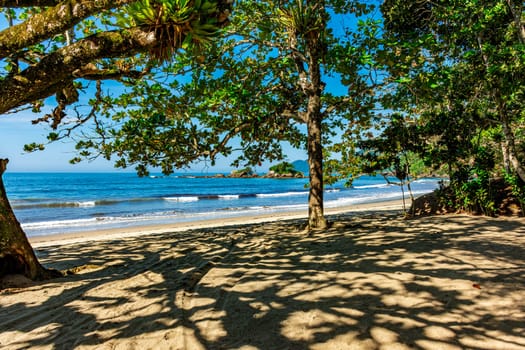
x,y
461,80
285,168
453,85
439,84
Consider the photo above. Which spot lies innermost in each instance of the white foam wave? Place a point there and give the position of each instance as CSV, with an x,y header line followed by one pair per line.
x,y
58,224
372,186
86,204
284,194
429,181
229,196
340,202
181,199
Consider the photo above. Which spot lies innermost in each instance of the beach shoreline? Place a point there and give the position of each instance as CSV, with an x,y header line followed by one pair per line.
x,y
133,231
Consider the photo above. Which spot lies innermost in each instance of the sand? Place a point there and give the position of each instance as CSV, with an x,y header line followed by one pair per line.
x,y
372,281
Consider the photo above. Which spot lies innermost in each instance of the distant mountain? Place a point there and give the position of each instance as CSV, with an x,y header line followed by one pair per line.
x,y
302,166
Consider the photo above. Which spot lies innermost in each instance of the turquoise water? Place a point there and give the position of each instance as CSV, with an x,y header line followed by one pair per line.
x,y
48,203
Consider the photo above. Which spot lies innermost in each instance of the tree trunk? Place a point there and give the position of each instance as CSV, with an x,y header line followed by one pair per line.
x,y
508,143
509,139
510,147
314,118
506,158
16,254
316,219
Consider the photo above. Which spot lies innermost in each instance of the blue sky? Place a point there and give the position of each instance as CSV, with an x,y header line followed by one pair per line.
x,y
16,130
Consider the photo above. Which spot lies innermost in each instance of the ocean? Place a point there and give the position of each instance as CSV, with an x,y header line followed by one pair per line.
x,y
50,203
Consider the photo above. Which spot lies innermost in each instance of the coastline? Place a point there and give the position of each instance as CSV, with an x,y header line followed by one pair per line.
x,y
134,231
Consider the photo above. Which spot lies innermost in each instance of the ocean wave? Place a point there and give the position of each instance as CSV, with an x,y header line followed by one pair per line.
x,y
371,199
429,181
333,190
283,194
98,221
42,203
229,196
58,224
182,199
362,199
372,186
79,204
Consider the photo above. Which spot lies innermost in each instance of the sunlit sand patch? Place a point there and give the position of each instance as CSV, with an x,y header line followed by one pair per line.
x,y
305,325
426,344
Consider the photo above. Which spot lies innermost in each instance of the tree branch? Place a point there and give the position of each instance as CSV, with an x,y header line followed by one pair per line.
x,y
27,3
3,165
44,78
222,144
334,106
91,72
52,21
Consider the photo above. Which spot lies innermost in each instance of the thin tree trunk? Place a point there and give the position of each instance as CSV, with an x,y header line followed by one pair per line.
x,y
409,184
16,254
403,197
510,145
506,159
516,15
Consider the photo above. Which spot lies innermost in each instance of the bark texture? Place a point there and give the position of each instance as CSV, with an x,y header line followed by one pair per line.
x,y
314,119
50,22
16,254
316,217
516,12
509,146
59,68
27,3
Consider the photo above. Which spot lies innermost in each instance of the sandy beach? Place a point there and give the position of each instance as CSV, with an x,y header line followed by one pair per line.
x,y
373,280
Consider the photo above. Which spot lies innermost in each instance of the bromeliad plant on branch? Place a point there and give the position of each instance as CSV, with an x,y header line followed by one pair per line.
x,y
176,23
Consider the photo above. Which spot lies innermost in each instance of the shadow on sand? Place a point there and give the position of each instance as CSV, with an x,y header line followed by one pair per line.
x,y
372,281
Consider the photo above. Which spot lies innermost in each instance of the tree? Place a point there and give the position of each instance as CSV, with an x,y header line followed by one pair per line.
x,y
462,63
392,153
16,255
56,48
262,85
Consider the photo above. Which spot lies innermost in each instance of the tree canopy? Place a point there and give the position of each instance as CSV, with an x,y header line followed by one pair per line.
x,y
455,77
